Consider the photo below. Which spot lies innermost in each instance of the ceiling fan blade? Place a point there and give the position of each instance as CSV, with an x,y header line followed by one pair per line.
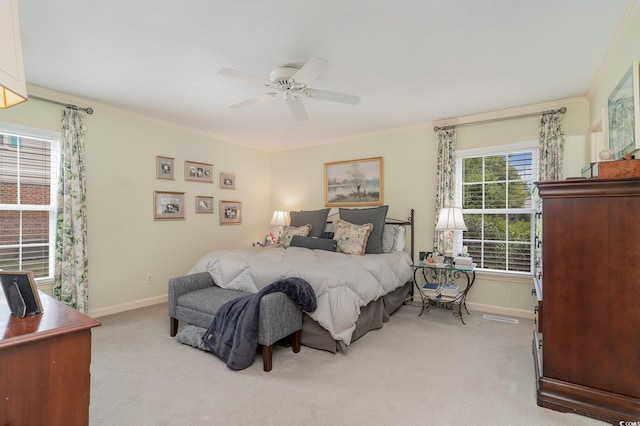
x,y
244,76
253,101
332,96
297,108
309,71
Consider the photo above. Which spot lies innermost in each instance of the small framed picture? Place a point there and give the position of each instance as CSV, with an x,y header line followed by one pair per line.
x,y
198,172
230,212
204,204
165,167
168,205
21,292
227,180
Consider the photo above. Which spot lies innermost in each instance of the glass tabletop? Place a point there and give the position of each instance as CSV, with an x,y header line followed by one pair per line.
x,y
445,266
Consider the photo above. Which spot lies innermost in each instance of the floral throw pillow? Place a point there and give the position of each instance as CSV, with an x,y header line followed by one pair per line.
x,y
290,231
351,238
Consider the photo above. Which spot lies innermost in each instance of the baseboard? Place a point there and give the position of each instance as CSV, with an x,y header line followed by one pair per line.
x,y
110,310
500,310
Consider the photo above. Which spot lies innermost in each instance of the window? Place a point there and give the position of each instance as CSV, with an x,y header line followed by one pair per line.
x,y
494,189
29,161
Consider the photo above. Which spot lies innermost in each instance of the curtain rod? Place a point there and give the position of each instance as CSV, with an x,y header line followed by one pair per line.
x,y
88,110
561,110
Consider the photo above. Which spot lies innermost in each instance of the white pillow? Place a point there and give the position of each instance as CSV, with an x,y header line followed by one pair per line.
x,y
400,240
389,234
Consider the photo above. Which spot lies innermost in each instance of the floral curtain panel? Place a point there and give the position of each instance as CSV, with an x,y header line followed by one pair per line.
x,y
551,142
71,267
445,178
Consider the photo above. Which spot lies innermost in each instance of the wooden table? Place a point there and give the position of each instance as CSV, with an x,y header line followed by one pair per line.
x,y
44,365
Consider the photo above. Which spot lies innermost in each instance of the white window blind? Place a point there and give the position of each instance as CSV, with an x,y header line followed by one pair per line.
x,y
494,189
29,163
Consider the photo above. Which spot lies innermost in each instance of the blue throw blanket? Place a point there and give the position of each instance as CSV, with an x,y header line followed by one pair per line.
x,y
233,333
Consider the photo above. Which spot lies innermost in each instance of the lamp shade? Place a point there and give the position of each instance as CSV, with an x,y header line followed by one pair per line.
x,y
280,218
451,220
13,85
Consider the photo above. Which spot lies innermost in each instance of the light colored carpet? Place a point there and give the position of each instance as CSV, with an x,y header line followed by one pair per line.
x,y
428,370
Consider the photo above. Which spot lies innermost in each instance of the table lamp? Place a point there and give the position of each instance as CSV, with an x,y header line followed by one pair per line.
x,y
450,220
280,218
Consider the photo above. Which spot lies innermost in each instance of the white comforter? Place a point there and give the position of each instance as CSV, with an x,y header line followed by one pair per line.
x,y
343,283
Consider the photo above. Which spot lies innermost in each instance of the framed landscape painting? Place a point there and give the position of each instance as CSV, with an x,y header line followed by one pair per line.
x,y
354,183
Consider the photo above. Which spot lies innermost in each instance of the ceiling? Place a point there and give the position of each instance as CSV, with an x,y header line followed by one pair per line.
x,y
411,62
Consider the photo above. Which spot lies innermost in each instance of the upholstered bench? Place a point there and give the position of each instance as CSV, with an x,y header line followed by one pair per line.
x,y
195,299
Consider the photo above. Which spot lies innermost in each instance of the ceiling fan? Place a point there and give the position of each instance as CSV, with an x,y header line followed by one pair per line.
x,y
291,84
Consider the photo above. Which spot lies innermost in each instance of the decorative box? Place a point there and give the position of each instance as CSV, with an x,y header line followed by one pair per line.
x,y
618,169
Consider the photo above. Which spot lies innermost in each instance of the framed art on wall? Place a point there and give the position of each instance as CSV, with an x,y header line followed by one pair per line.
x,y
204,204
168,205
198,172
354,183
165,167
227,180
624,114
230,212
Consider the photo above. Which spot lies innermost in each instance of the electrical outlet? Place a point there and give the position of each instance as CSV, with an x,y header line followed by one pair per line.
x,y
149,279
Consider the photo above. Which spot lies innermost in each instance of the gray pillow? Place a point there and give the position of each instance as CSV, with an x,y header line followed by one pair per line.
x,y
314,243
377,216
316,218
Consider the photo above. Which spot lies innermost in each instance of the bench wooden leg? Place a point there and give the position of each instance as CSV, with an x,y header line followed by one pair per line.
x,y
295,341
267,357
173,326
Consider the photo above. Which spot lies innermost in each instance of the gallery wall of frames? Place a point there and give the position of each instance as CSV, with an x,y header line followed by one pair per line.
x,y
172,205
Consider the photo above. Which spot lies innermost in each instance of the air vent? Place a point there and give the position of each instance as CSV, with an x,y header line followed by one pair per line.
x,y
500,319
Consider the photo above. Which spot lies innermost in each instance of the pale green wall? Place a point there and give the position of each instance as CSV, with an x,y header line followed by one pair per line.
x,y
409,174
409,182
125,243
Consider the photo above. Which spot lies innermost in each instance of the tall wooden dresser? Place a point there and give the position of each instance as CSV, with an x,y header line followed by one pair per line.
x,y
587,340
44,365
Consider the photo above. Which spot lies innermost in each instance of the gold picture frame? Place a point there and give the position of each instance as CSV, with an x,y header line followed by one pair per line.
x,y
165,167
227,180
354,183
204,204
198,172
168,205
230,212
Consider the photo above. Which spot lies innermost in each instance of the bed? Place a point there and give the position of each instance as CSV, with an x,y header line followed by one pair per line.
x,y
356,291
